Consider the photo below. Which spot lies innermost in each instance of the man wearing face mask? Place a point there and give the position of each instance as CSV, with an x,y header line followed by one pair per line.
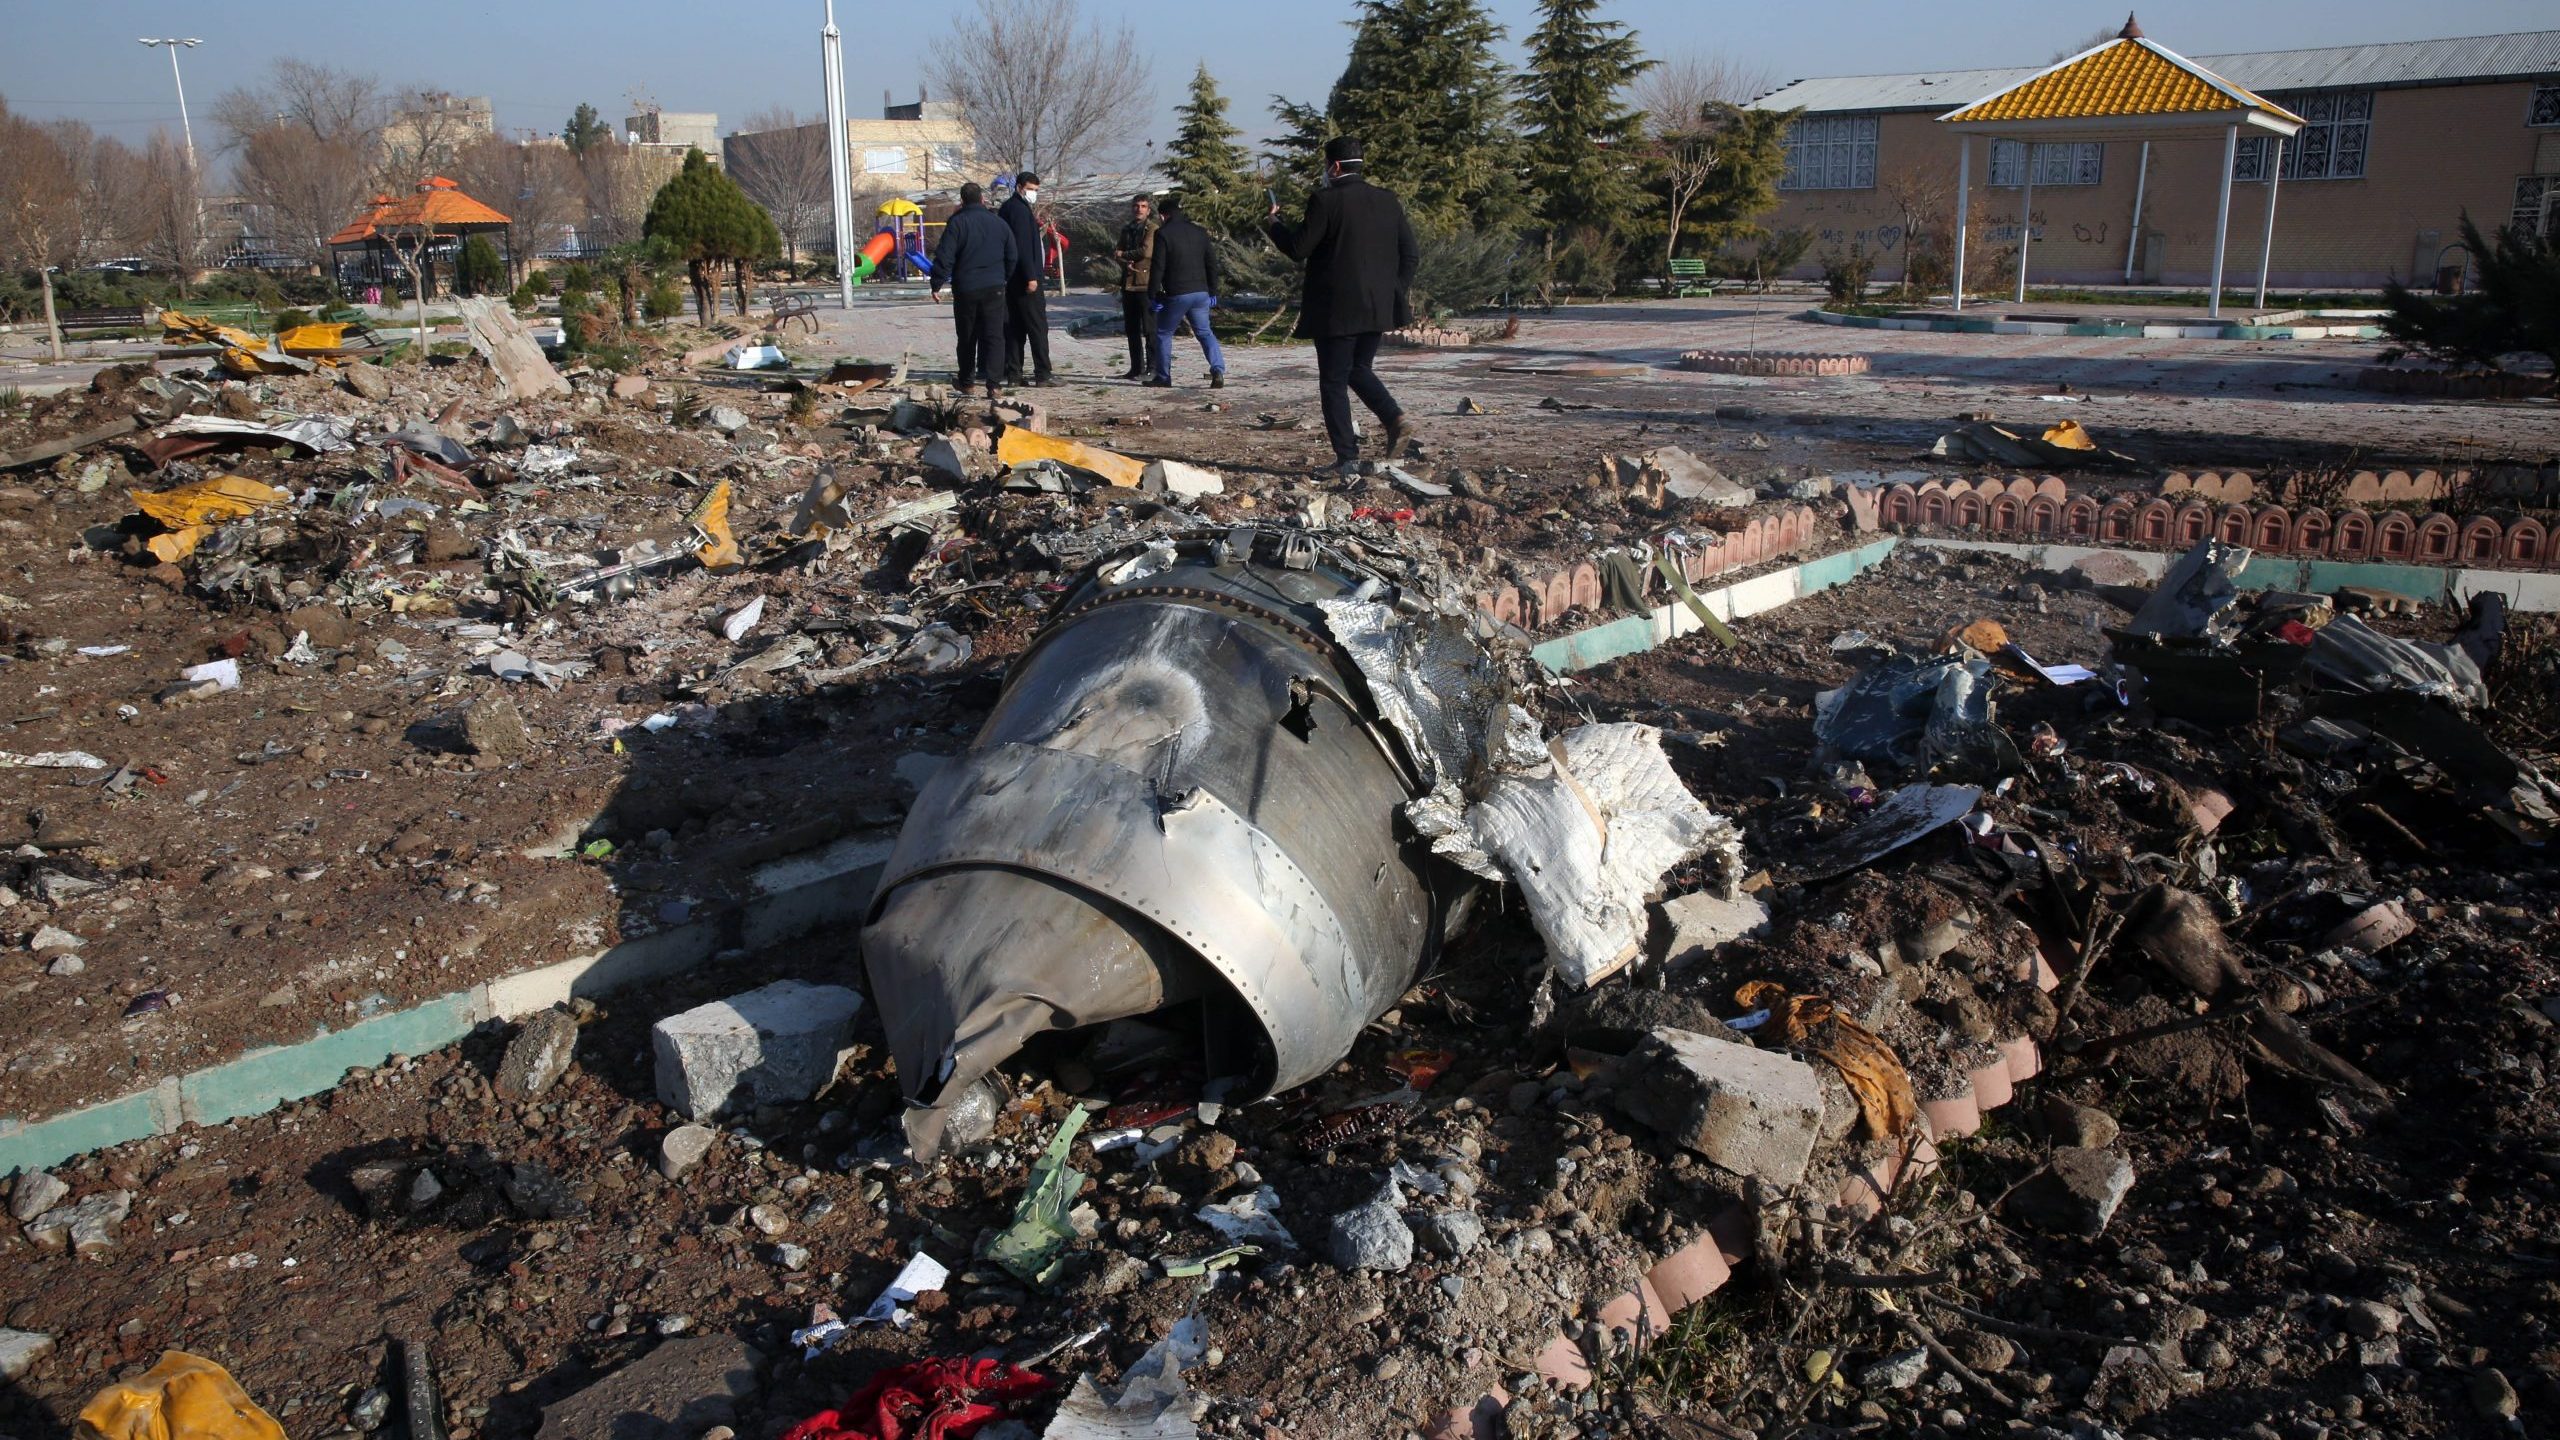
x,y
1360,254
1026,308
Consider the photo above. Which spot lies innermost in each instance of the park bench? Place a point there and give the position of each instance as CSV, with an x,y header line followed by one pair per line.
x,y
1689,277
793,307
127,317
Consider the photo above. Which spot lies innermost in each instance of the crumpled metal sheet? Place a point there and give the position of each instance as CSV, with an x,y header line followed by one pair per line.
x,y
1587,837
2352,655
1433,679
2193,600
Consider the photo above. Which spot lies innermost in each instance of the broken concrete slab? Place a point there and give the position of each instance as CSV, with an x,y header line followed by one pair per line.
x,y
2078,1193
493,726
1754,1112
1172,477
510,349
367,381
1370,1237
538,1055
1703,921
86,1227
36,1193
1687,478
20,1350
773,1045
675,1392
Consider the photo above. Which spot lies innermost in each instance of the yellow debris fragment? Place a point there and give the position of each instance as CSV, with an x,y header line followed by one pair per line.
x,y
2069,436
1874,1072
717,548
184,1397
312,337
1018,446
218,497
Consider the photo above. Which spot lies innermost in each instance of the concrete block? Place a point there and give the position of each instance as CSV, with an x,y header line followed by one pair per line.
x,y
1751,1111
538,1055
1701,922
774,1045
20,1350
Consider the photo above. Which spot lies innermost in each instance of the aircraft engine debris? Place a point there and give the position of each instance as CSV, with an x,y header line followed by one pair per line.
x,y
1215,786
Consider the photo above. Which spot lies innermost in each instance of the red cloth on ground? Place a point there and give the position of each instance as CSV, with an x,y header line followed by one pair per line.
x,y
938,1399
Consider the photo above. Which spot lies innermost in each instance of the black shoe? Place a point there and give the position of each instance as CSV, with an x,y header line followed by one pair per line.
x,y
1134,372
1397,434
1013,379
1217,379
1044,382
1153,383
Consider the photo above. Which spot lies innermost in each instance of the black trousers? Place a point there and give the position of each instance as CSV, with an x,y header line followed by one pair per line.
x,y
1026,321
978,318
1343,369
1138,322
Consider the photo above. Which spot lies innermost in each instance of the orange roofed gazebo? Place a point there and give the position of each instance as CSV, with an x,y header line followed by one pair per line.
x,y
2127,88
423,220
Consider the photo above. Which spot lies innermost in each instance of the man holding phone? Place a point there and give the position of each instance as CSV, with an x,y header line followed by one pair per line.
x,y
1359,253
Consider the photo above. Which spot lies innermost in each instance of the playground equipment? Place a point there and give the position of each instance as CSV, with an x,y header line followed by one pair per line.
x,y
900,233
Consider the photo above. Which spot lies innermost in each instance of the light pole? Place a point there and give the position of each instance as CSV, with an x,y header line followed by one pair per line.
x,y
183,122
839,164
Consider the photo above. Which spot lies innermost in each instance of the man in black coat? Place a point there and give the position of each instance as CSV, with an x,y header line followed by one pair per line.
x,y
1026,308
1360,255
1184,286
976,259
1137,320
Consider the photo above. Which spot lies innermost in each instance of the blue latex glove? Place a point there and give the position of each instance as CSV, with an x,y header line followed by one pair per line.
x,y
1159,307
1213,302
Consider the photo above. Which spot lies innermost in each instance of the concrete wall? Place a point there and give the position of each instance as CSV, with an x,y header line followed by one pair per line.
x,y
2432,153
917,153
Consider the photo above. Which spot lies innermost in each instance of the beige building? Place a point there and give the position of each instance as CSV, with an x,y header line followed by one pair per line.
x,y
428,128
914,149
2400,141
675,130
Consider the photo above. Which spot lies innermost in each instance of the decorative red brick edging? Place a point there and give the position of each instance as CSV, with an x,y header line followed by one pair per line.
x,y
1430,337
1700,1268
1772,362
2026,510
1542,601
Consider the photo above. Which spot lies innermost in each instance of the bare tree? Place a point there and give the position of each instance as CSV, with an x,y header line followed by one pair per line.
x,y
1675,93
168,209
783,168
1043,87
337,106
2105,33
1688,157
536,186
424,134
39,208
305,187
617,181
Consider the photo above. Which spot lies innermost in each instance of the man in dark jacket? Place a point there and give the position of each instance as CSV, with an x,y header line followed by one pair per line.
x,y
1026,318
1184,286
1360,255
1136,250
976,259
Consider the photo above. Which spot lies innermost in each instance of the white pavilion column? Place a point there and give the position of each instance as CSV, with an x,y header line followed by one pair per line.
x,y
1964,207
2026,220
2267,245
2222,214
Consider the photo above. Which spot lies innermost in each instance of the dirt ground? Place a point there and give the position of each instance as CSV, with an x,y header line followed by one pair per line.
x,y
331,841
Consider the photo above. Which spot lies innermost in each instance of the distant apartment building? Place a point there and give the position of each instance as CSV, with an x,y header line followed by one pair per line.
x,y
429,127
923,147
2399,142
674,130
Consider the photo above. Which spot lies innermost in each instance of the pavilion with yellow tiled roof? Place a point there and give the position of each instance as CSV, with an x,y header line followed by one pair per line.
x,y
2127,88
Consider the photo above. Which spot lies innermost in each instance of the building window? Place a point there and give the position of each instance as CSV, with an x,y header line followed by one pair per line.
x,y
1831,152
2330,147
885,161
2545,106
2537,209
2075,162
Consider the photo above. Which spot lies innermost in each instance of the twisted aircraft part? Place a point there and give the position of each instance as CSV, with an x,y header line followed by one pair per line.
x,y
1184,800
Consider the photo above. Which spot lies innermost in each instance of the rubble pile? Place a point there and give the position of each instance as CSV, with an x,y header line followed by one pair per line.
x,y
1973,1000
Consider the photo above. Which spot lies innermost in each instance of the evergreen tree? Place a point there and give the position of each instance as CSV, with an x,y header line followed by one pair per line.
x,y
1295,156
481,271
585,130
1207,166
706,221
1582,142
1430,101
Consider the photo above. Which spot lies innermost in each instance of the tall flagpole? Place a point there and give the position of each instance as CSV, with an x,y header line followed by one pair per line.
x,y
839,164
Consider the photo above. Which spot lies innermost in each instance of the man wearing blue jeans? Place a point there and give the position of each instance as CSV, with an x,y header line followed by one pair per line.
x,y
1182,282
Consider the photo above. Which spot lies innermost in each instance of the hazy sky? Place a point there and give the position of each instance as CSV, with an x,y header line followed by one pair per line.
x,y
538,58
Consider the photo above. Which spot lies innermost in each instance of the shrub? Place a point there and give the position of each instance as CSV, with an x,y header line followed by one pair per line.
x,y
1845,276
1463,270
2515,311
665,301
291,319
524,300
539,282
578,276
1590,262
480,271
